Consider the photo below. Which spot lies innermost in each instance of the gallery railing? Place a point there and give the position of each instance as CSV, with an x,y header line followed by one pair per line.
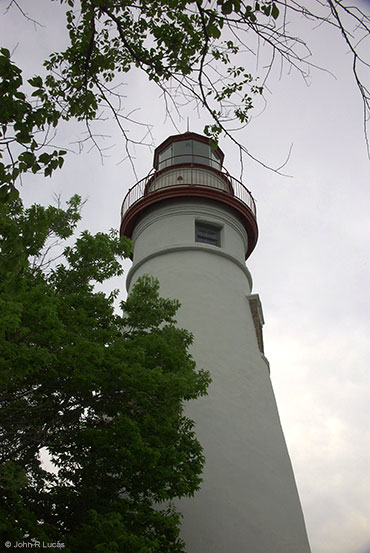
x,y
182,173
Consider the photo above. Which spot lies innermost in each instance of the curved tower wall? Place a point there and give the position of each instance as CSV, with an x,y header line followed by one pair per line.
x,y
248,502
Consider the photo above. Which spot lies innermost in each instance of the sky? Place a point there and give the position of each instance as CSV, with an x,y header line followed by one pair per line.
x,y
311,266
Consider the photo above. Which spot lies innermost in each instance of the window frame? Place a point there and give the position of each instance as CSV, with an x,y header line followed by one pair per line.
x,y
208,226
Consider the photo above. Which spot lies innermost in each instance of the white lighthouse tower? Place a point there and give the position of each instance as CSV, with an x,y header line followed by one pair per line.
x,y
193,226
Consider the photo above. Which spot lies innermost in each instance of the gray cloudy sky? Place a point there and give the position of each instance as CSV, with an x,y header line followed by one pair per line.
x,y
311,266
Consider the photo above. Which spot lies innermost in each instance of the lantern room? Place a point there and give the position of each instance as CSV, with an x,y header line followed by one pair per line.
x,y
187,148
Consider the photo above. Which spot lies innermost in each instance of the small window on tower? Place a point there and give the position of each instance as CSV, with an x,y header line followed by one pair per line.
x,y
207,233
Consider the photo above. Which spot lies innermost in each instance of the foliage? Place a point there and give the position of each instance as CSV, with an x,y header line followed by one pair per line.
x,y
100,393
171,41
20,122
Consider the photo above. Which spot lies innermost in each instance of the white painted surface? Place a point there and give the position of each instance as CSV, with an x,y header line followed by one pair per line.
x,y
248,502
178,176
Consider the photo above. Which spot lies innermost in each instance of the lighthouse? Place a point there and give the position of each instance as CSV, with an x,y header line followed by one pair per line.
x,y
193,226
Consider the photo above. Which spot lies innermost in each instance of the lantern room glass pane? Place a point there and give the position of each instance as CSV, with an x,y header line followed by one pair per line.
x,y
215,160
201,153
165,157
182,151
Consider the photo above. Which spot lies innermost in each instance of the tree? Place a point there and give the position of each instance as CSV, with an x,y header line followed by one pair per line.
x,y
194,51
100,393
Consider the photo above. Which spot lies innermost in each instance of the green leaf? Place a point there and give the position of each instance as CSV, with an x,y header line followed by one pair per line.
x,y
4,190
28,158
35,168
5,52
227,7
36,82
275,11
45,158
213,31
23,137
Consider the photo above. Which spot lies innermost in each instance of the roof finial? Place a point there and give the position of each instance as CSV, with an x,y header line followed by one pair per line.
x,y
187,129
